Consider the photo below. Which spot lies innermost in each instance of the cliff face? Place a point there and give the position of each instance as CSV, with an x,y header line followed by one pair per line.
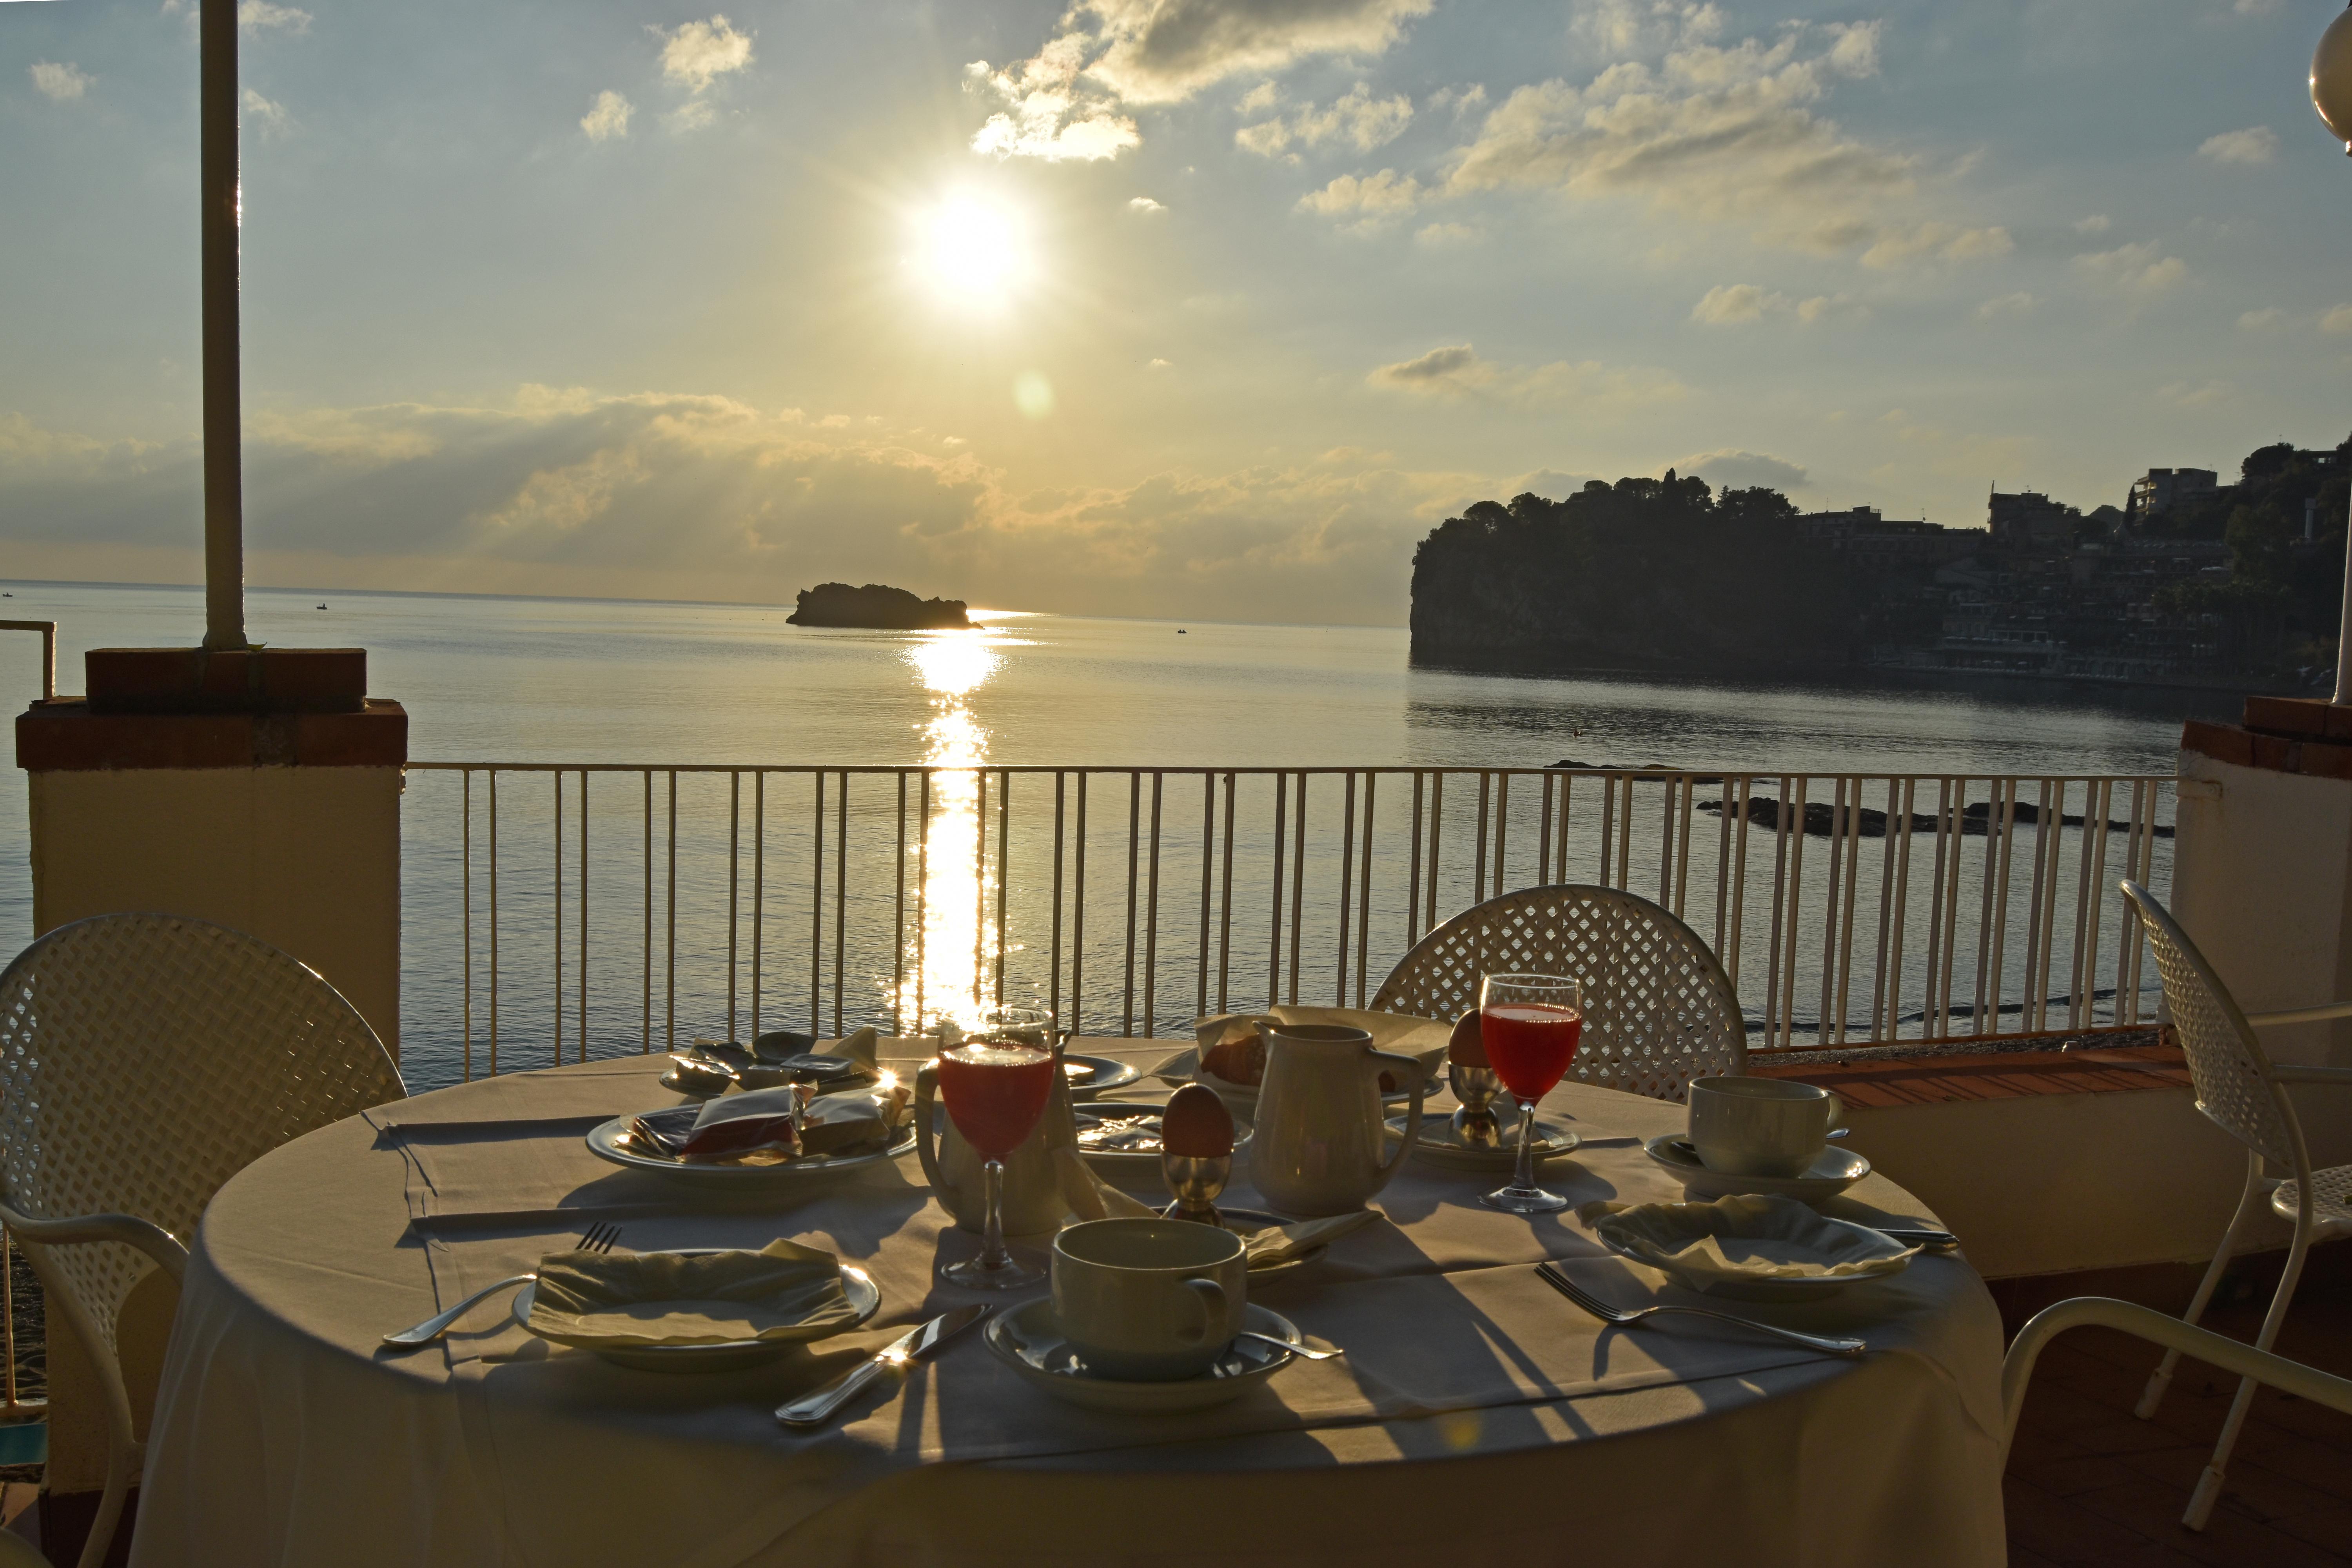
x,y
1644,574
877,607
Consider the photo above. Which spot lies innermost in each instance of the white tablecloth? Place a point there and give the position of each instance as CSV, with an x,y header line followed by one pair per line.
x,y
1475,1411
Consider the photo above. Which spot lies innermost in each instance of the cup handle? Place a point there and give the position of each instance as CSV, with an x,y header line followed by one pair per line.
x,y
1409,1070
1836,1122
927,1081
1206,1292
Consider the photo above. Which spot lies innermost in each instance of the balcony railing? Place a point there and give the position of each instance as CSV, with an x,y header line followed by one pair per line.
x,y
557,911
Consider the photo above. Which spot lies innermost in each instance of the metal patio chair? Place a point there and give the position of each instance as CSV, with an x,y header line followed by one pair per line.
x,y
144,1060
2241,1092
1658,1009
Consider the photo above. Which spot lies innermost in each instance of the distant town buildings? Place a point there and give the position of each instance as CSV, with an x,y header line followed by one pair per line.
x,y
2156,491
1879,543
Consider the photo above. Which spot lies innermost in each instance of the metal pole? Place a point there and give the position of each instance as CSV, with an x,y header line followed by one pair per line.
x,y
2344,629
224,484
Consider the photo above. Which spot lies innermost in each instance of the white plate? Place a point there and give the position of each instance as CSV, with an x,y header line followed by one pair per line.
x,y
1833,1173
1027,1340
1104,1075
1438,1145
863,1293
604,1142
1777,1290
1132,1168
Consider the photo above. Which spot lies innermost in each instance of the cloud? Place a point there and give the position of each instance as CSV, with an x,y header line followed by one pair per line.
x,y
2254,145
1384,194
1160,364
608,117
1457,373
61,82
2138,270
269,120
1713,132
1737,304
1049,115
2097,223
685,495
1731,468
1622,29
1438,235
1144,205
2337,320
1937,242
260,15
698,52
2261,320
2018,304
1072,98
1358,118
2199,394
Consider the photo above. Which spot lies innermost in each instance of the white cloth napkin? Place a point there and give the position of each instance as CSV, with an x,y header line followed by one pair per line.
x,y
1737,1240
624,1299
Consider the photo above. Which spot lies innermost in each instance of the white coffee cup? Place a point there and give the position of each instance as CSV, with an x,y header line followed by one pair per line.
x,y
1149,1300
1760,1126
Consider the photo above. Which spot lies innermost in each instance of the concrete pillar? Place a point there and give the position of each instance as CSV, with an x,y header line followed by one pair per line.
x,y
2262,880
258,789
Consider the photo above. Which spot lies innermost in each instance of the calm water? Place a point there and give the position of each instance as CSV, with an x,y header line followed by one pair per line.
x,y
571,682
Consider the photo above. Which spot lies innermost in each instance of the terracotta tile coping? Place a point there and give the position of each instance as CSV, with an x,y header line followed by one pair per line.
x,y
1993,1075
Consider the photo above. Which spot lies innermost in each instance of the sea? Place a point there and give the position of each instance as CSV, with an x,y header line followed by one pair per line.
x,y
656,685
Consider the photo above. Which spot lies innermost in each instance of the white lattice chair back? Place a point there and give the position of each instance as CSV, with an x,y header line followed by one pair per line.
x,y
144,1060
2235,1088
1658,1009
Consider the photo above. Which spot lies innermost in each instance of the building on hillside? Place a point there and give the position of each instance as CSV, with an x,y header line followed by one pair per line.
x,y
2160,490
2029,519
1878,543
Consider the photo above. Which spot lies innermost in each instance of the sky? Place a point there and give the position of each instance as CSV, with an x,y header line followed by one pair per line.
x,y
1198,308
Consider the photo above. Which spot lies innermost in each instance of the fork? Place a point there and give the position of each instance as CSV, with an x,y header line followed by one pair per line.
x,y
1551,1275
599,1237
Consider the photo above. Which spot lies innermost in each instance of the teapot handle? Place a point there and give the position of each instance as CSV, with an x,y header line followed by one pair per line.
x,y
1409,1072
927,1081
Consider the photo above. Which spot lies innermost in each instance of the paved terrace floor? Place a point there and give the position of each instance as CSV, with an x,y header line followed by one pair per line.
x,y
2090,1484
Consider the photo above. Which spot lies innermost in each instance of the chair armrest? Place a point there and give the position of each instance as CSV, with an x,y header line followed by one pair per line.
x,y
2301,1015
2338,1076
153,1239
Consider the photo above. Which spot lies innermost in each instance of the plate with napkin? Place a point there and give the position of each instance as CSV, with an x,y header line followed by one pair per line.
x,y
750,1139
695,1309
777,1057
1224,1055
1754,1249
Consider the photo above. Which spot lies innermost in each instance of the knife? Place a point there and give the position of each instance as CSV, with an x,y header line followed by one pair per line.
x,y
817,1406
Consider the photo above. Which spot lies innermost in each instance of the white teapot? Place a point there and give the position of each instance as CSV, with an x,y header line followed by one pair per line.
x,y
1321,1130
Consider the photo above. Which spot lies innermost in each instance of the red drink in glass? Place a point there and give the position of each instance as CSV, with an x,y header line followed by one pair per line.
x,y
1530,1045
994,1092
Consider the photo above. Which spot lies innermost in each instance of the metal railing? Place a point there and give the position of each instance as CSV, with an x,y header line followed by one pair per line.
x,y
603,907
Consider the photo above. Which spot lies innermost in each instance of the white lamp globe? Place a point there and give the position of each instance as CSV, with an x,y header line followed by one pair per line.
x,y
2331,78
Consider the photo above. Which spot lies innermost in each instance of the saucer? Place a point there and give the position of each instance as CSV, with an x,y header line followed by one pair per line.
x,y
855,1283
1027,1339
1832,1240
1832,1173
1438,1145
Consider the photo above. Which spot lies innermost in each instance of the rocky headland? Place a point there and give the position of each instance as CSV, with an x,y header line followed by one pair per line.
x,y
877,607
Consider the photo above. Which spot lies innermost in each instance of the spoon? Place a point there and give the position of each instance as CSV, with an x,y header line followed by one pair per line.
x,y
1292,1346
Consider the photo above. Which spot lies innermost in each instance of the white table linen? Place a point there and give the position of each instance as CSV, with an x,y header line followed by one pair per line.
x,y
1475,1404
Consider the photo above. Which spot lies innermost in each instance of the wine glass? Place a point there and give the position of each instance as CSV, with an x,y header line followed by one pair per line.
x,y
1030,1026
995,1087
1531,1025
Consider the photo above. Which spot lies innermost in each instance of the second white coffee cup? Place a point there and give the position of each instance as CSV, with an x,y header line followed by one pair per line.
x,y
1760,1126
1150,1300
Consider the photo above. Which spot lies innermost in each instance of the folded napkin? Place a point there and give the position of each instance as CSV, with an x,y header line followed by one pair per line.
x,y
615,1301
756,1128
1738,1240
1424,1039
1281,1243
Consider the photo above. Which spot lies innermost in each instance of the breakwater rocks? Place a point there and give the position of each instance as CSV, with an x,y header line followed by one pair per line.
x,y
877,607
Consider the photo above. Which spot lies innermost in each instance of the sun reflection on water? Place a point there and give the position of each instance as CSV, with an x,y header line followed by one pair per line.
x,y
944,973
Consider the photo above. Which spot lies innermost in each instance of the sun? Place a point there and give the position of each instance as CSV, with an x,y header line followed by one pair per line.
x,y
973,253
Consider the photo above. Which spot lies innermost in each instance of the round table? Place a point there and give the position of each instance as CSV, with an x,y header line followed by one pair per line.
x,y
1476,1412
